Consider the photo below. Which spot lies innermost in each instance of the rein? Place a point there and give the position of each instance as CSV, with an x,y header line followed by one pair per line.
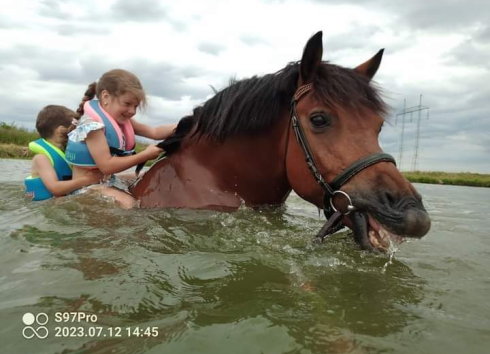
x,y
333,215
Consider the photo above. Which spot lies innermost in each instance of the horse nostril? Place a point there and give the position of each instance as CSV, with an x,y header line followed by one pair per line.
x,y
388,199
417,223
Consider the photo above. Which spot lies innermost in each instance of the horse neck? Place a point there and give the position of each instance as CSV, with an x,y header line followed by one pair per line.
x,y
251,166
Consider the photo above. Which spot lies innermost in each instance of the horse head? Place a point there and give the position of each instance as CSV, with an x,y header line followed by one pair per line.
x,y
340,114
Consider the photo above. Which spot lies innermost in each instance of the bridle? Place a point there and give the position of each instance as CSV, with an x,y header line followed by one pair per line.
x,y
333,215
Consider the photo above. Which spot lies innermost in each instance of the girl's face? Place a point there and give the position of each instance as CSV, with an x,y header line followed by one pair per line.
x,y
121,108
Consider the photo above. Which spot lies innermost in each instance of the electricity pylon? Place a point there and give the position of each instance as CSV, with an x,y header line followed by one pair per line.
x,y
411,110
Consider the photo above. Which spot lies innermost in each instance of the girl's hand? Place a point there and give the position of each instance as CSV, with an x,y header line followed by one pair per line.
x,y
93,176
152,152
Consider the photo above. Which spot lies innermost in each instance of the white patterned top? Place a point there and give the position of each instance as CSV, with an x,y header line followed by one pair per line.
x,y
85,126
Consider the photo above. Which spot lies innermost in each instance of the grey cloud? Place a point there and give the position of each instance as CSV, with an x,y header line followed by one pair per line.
x,y
142,11
445,15
368,38
211,48
475,51
167,81
437,15
52,8
71,29
252,40
456,133
160,79
9,23
139,11
356,38
178,25
191,72
48,64
453,116
21,113
97,21
22,100
484,35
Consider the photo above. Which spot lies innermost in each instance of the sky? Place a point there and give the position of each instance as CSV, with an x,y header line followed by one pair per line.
x,y
440,49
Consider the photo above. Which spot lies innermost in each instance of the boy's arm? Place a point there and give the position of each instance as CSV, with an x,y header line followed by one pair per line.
x,y
58,188
108,164
157,133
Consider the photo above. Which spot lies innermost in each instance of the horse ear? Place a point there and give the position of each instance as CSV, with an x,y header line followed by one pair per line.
x,y
312,58
370,67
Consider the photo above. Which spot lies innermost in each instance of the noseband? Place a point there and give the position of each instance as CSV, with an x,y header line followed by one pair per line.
x,y
333,215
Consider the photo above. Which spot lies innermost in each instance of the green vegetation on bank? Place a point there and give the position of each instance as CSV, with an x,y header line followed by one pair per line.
x,y
12,151
457,179
10,134
14,141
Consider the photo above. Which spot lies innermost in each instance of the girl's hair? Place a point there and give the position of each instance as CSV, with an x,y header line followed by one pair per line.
x,y
117,82
51,117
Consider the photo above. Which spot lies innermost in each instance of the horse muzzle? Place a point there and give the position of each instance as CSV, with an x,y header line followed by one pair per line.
x,y
379,227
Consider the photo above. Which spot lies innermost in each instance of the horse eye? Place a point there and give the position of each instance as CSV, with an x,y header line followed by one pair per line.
x,y
320,120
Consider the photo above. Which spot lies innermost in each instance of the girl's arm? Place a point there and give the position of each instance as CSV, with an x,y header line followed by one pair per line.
x,y
157,133
46,172
108,164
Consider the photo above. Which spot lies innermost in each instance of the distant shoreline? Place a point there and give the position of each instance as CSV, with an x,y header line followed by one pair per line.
x,y
447,178
13,151
14,141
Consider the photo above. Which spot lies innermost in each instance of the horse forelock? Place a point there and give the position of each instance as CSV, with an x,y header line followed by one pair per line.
x,y
338,86
252,105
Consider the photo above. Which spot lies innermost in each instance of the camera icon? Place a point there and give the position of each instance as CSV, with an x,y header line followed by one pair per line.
x,y
40,320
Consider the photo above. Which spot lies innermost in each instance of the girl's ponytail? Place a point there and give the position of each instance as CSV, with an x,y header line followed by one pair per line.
x,y
89,94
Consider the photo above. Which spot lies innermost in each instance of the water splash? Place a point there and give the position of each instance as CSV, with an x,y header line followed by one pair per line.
x,y
393,247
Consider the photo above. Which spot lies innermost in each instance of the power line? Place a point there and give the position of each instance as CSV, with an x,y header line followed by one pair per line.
x,y
411,110
417,137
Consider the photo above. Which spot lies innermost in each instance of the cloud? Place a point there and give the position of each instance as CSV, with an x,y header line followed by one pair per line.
x,y
211,48
171,82
159,78
422,15
253,40
474,51
455,131
46,64
143,11
139,11
73,29
442,16
52,9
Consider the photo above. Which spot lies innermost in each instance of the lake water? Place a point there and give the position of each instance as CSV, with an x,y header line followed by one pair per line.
x,y
176,281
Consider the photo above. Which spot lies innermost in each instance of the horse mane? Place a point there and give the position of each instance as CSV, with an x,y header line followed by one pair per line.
x,y
254,104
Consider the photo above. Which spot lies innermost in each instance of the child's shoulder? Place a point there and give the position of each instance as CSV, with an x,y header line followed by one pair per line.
x,y
40,162
41,159
84,127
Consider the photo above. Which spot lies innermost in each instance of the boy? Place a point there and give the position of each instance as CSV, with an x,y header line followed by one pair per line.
x,y
50,173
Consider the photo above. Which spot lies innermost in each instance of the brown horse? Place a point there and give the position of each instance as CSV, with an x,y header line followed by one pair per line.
x,y
247,145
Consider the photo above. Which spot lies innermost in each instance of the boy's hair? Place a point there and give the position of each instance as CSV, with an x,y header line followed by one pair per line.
x,y
117,82
51,117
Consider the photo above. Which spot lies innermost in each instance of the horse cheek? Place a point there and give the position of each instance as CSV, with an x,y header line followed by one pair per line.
x,y
300,177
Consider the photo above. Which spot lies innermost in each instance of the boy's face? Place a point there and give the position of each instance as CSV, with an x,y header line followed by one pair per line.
x,y
121,108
